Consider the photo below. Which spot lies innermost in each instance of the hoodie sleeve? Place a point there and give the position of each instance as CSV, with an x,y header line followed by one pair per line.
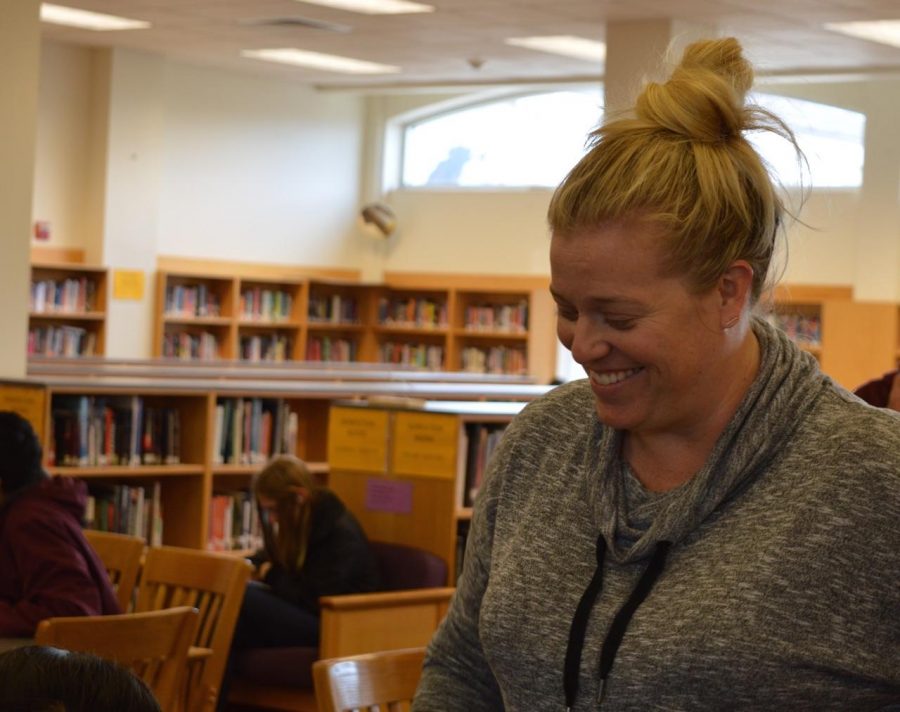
x,y
55,578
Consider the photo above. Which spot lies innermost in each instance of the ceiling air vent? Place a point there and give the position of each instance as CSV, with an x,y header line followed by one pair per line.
x,y
301,22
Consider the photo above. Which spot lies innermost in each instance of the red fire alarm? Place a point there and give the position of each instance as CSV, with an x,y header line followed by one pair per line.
x,y
42,230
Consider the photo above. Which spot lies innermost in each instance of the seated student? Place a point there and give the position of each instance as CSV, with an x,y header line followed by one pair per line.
x,y
882,392
47,567
43,679
314,547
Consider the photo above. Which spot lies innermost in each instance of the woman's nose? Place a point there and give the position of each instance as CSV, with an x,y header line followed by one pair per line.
x,y
588,343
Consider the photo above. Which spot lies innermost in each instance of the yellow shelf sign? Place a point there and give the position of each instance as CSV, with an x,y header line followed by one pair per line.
x,y
128,284
28,401
357,439
425,445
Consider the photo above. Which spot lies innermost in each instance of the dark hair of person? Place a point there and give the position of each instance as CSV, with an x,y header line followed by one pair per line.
x,y
38,678
279,480
20,454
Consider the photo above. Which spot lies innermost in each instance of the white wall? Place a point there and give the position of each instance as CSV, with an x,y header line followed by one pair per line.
x,y
63,152
260,170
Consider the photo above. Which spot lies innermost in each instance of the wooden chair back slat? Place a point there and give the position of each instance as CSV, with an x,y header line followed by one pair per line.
x,y
154,644
213,584
376,682
121,555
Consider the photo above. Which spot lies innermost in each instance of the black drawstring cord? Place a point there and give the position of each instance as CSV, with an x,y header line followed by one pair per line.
x,y
579,627
619,623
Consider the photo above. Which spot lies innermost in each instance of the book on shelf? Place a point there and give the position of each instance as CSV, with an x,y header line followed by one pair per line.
x,y
269,347
495,359
249,431
327,348
333,309
481,441
189,346
99,431
196,300
412,312
64,340
427,356
68,296
126,509
260,304
497,317
233,522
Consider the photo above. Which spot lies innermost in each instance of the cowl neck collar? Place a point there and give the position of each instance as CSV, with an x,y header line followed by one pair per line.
x,y
786,387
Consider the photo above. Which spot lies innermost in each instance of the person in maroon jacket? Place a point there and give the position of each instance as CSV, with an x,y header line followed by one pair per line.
x,y
882,392
47,567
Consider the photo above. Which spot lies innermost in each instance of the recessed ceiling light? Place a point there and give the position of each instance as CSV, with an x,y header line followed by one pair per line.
x,y
374,7
883,31
317,60
59,15
566,45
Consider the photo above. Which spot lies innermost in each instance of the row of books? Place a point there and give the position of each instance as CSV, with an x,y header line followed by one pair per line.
x,y
234,522
334,308
249,431
69,296
115,430
325,348
496,359
481,440
188,346
262,304
61,341
266,347
497,317
419,355
412,312
800,328
126,509
192,300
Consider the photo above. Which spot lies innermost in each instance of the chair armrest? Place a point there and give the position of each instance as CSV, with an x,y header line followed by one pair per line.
x,y
385,599
370,622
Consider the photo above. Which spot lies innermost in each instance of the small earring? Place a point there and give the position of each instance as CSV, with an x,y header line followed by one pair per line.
x,y
731,322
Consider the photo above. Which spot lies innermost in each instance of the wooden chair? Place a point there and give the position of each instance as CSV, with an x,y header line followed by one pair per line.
x,y
379,682
153,644
121,554
212,583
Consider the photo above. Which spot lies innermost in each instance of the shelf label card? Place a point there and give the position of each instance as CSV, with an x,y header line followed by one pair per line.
x,y
357,439
28,401
390,496
128,284
425,445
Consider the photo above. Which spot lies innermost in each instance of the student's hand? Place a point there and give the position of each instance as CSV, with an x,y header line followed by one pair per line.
x,y
894,396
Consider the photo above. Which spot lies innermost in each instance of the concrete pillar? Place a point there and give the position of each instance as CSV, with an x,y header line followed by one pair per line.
x,y
636,51
20,50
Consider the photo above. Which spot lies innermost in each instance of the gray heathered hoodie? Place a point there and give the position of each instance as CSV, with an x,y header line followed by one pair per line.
x,y
781,590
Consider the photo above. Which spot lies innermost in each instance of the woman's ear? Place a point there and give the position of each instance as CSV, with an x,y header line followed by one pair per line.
x,y
734,287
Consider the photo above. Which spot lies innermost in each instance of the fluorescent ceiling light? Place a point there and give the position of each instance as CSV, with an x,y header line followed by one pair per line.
x,y
883,31
59,15
566,45
317,60
374,7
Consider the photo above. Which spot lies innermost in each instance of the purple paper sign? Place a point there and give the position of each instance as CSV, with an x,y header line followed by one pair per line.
x,y
389,496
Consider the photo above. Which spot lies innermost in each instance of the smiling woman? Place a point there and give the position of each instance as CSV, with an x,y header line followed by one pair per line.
x,y
683,529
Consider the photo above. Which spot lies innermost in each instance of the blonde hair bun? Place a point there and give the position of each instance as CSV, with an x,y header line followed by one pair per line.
x,y
703,100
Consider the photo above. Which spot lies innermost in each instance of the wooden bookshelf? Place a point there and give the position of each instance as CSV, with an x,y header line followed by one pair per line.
x,y
67,310
72,414
855,341
440,322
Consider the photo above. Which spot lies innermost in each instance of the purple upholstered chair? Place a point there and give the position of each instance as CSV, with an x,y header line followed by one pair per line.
x,y
282,677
